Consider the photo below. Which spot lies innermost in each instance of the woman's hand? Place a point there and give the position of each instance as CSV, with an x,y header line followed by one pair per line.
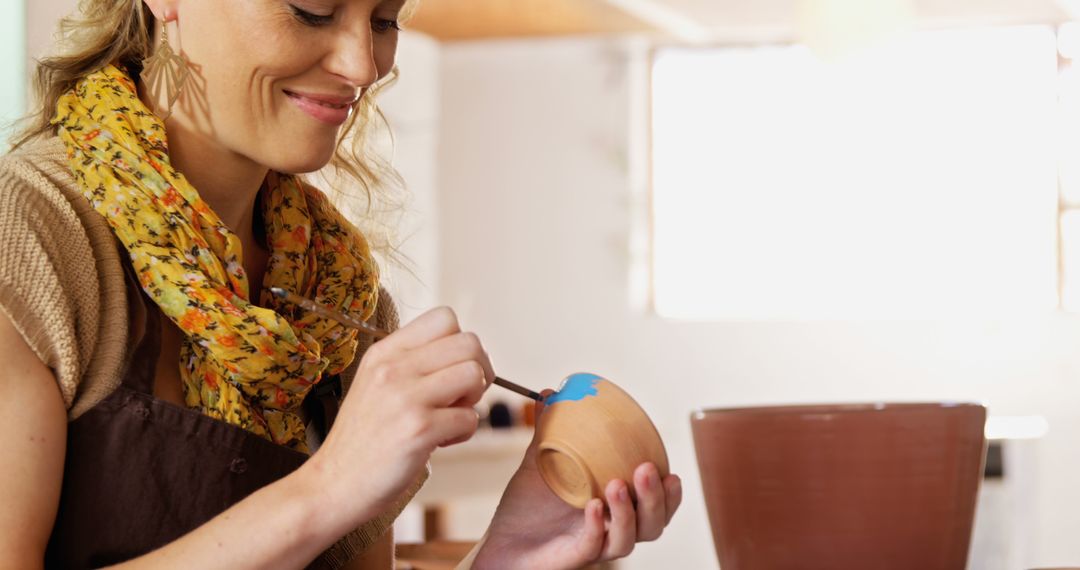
x,y
533,528
414,391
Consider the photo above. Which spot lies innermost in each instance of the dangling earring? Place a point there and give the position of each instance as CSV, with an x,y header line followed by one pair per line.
x,y
165,70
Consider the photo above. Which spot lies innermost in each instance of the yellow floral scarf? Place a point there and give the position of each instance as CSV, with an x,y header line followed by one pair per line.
x,y
247,365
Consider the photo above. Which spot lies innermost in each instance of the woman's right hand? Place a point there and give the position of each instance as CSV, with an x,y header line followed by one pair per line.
x,y
414,391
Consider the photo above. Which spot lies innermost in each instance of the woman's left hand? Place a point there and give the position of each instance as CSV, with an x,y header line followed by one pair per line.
x,y
534,528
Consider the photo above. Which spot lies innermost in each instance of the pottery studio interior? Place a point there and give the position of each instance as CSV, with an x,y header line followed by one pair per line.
x,y
825,254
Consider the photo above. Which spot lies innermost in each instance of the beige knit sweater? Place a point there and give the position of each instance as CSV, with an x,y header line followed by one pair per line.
x,y
62,285
61,278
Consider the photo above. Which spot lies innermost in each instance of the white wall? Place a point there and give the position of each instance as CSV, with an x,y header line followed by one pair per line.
x,y
42,18
536,207
412,110
12,64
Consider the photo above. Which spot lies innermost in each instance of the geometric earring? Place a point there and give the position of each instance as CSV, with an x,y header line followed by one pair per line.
x,y
165,72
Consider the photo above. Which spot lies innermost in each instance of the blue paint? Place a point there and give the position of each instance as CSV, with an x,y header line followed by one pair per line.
x,y
576,387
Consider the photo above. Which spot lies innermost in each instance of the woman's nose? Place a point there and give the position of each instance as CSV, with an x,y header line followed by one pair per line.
x,y
353,57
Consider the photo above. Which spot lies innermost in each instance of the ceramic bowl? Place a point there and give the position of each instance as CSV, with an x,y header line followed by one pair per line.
x,y
591,432
845,486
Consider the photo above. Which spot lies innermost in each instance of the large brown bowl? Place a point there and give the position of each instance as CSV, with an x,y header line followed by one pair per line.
x,y
591,432
883,486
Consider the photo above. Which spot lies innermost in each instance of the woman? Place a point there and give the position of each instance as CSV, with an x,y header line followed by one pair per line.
x,y
114,269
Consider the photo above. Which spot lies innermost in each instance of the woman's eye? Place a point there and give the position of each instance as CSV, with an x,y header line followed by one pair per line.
x,y
383,25
311,19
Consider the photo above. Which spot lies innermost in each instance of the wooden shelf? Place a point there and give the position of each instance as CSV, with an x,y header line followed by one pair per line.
x,y
450,20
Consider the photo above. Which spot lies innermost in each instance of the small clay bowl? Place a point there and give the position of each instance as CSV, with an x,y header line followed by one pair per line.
x,y
590,433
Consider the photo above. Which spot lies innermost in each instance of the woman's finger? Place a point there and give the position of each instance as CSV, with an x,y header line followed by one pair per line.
x,y
651,502
451,426
673,487
459,385
450,350
591,539
622,529
430,326
539,406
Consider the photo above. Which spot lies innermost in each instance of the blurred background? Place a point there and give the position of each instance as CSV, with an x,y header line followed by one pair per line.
x,y
718,203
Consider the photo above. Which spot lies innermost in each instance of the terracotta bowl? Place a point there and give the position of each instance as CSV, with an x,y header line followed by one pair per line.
x,y
590,433
883,486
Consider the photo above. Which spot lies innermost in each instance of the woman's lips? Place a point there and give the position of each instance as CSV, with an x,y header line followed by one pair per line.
x,y
328,113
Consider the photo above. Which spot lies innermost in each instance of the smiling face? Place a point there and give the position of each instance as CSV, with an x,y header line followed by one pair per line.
x,y
274,80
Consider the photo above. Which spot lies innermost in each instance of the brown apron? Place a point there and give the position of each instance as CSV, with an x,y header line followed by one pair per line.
x,y
141,472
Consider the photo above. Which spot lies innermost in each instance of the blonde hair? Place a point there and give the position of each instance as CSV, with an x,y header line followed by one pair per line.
x,y
102,32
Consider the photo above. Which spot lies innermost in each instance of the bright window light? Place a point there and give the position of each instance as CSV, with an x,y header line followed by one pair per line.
x,y
915,180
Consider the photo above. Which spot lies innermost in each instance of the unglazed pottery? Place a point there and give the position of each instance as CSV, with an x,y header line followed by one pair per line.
x,y
590,433
883,486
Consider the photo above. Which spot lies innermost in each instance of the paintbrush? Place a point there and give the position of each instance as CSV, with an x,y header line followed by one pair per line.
x,y
376,332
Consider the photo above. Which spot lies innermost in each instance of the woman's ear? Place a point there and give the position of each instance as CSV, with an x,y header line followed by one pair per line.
x,y
164,10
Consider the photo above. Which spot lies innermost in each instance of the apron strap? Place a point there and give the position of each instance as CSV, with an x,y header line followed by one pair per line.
x,y
141,366
322,404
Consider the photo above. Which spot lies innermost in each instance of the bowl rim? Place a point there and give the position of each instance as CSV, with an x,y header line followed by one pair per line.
x,y
701,414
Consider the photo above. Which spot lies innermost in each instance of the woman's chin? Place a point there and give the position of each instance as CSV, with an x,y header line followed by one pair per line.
x,y
302,164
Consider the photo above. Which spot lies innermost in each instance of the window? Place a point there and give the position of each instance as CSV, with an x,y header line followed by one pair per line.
x,y
917,179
